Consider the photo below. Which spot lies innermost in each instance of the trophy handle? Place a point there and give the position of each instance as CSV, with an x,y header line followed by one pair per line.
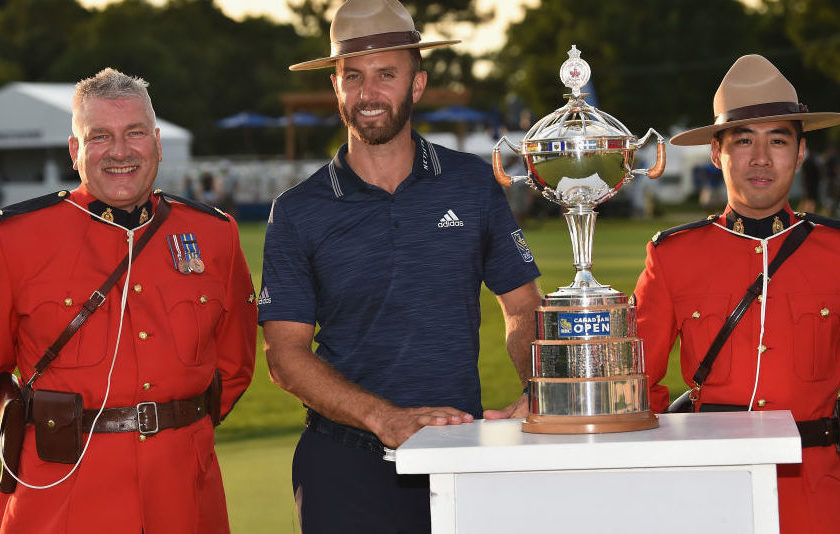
x,y
658,167
504,179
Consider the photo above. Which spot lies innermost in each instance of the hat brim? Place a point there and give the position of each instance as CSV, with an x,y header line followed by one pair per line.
x,y
703,136
325,62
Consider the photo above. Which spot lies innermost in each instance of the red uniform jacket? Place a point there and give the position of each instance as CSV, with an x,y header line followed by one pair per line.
x,y
691,283
178,329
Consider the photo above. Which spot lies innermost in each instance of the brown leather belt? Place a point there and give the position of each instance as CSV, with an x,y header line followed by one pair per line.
x,y
147,418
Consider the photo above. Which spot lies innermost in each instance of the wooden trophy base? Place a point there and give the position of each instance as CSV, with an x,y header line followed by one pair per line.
x,y
589,424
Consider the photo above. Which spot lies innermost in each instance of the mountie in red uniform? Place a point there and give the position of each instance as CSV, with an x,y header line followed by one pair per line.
x,y
178,329
692,281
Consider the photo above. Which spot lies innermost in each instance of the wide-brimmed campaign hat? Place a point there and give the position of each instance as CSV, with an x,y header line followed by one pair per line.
x,y
368,26
754,90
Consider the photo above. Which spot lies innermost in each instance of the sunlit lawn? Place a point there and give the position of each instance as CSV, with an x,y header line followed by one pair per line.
x,y
257,441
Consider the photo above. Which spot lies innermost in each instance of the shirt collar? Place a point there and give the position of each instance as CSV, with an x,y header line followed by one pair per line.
x,y
759,228
124,218
345,181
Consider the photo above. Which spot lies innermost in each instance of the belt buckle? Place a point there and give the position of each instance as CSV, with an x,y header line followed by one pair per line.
x,y
142,425
97,298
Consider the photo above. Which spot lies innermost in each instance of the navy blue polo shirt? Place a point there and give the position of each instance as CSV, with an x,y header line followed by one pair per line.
x,y
393,280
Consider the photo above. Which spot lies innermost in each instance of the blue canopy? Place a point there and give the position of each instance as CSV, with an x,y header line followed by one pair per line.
x,y
246,119
301,118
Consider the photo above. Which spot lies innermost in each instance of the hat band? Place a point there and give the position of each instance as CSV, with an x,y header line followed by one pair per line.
x,y
374,42
757,111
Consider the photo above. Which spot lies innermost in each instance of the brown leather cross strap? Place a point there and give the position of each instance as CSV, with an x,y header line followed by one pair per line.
x,y
97,298
789,245
147,417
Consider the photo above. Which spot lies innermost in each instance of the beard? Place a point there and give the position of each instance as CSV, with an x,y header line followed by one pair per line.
x,y
378,135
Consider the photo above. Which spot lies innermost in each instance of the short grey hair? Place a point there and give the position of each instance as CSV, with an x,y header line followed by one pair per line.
x,y
112,84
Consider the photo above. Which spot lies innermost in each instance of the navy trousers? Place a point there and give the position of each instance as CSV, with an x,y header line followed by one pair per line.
x,y
354,491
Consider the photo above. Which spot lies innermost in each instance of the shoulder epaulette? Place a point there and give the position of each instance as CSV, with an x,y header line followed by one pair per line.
x,y
33,204
659,236
200,206
818,219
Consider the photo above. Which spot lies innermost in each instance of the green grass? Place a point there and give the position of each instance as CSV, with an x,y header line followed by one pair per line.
x,y
255,444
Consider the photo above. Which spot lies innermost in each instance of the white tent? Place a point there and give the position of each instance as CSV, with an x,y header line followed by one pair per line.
x,y
34,126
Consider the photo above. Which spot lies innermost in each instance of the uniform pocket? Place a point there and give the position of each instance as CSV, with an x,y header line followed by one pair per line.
x,y
816,326
193,310
700,318
45,311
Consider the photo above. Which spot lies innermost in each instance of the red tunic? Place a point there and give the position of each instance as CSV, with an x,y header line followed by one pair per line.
x,y
177,330
692,282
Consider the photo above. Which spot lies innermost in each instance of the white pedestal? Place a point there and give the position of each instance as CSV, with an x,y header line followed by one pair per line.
x,y
696,473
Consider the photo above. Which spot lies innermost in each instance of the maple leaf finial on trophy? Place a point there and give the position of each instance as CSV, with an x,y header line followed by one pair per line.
x,y
575,72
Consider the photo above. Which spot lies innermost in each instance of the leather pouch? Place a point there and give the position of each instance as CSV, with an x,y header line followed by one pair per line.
x,y
58,425
12,428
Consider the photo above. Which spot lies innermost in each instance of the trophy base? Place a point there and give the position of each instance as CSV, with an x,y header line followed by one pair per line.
x,y
589,424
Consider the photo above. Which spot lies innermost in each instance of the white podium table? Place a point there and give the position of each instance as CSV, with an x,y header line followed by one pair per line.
x,y
696,473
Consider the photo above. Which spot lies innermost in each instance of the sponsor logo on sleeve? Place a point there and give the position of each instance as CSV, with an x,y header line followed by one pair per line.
x,y
522,245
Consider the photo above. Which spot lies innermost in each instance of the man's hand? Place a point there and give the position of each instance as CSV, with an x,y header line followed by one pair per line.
x,y
395,425
517,410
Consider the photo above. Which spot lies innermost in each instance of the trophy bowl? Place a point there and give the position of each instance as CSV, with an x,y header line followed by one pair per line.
x,y
578,155
587,366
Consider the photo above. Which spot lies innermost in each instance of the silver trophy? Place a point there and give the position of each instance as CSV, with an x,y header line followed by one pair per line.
x,y
587,365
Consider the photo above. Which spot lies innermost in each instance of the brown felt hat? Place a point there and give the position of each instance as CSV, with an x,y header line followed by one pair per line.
x,y
369,26
755,91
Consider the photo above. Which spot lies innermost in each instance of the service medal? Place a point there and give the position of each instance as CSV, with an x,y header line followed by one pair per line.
x,y
191,252
183,266
196,264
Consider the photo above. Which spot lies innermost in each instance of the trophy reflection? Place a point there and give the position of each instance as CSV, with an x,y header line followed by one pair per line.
x,y
587,365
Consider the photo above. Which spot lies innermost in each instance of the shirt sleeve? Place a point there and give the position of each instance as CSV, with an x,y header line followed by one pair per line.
x,y
288,285
236,335
508,261
656,326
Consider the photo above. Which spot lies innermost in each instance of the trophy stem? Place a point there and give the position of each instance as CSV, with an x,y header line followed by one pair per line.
x,y
581,222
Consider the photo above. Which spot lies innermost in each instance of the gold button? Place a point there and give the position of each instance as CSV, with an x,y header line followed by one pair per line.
x,y
1,213
62,194
147,386
143,335
761,403
142,438
824,312
202,299
138,288
758,249
51,423
760,298
761,349
68,302
696,314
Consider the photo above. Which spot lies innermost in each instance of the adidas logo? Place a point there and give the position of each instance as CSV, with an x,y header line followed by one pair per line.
x,y
450,219
264,297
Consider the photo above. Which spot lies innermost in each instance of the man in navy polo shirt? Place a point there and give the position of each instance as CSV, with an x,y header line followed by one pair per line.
x,y
385,248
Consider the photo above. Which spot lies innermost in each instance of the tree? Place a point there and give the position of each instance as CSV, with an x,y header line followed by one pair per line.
x,y
654,64
30,41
